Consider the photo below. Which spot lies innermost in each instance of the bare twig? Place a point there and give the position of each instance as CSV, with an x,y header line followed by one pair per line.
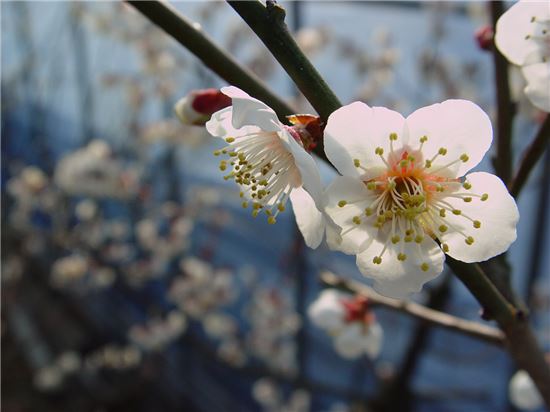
x,y
474,329
530,158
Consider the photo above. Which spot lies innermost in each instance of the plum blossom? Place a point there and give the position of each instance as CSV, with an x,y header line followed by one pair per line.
x,y
523,393
350,321
523,37
402,191
196,107
268,161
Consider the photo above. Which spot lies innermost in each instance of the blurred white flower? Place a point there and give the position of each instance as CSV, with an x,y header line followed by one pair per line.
x,y
269,163
523,393
349,321
69,270
92,171
523,37
403,188
157,333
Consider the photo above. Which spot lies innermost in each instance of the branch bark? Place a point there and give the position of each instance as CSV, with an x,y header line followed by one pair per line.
x,y
530,158
474,329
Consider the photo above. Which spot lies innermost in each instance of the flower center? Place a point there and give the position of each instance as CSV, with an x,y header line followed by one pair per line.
x,y
263,168
411,200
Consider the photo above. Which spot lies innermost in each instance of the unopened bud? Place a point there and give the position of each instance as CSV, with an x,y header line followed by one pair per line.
x,y
306,129
484,37
197,107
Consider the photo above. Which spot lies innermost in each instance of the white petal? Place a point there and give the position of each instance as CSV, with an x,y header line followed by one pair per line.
x,y
395,278
311,179
523,393
372,341
350,341
355,131
498,216
327,311
250,111
513,27
538,84
334,240
309,219
354,237
459,126
220,125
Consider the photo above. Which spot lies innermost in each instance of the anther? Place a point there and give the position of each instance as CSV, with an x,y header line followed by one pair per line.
x,y
484,197
377,260
469,199
371,185
424,266
230,139
469,240
419,238
423,139
443,228
477,224
442,212
368,211
428,164
281,207
342,203
442,151
464,157
395,239
379,151
467,185
356,163
217,152
457,212
393,136
245,205
356,220
271,220
445,247
401,257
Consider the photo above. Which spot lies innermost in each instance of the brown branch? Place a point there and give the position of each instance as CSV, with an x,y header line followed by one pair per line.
x,y
530,158
505,113
446,321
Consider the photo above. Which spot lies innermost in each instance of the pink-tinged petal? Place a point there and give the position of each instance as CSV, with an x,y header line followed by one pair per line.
x,y
497,217
353,132
349,343
372,341
309,219
458,126
515,28
396,278
356,197
538,84
327,311
250,111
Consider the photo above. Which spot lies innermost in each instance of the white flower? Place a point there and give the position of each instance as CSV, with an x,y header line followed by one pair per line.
x,y
349,321
402,190
523,37
522,392
268,163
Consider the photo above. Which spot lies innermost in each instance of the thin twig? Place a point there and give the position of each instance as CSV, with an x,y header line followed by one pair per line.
x,y
505,113
191,36
470,328
530,158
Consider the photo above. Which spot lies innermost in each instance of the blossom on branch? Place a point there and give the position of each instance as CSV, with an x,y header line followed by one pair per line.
x,y
196,107
523,37
268,161
350,321
402,191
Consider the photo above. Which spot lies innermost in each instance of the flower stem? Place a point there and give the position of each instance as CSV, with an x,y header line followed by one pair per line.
x,y
268,23
505,112
190,35
530,158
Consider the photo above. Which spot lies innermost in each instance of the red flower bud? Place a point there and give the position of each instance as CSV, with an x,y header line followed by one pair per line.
x,y
484,37
198,106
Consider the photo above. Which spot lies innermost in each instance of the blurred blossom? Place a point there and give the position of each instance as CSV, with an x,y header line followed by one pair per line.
x,y
157,333
113,356
232,352
69,270
48,378
69,362
86,210
218,325
266,392
12,268
93,171
311,39
350,321
522,392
